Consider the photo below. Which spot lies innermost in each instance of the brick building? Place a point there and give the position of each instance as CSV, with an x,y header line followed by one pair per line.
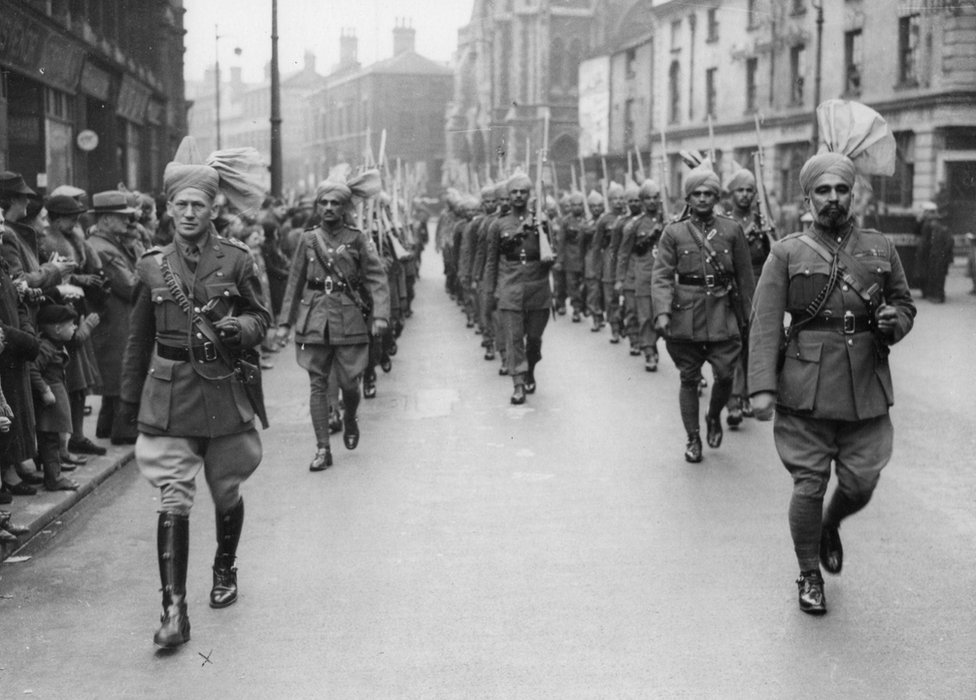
x,y
92,91
407,95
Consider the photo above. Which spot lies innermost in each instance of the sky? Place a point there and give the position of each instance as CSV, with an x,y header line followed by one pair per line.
x,y
314,25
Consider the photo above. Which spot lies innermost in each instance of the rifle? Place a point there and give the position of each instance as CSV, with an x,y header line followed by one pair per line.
x,y
759,158
665,179
630,166
711,143
606,180
640,165
545,246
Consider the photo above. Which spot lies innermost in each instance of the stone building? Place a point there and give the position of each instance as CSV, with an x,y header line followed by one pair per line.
x,y
406,95
92,91
245,116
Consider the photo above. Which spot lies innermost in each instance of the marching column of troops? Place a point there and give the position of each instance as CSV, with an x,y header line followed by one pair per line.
x,y
801,323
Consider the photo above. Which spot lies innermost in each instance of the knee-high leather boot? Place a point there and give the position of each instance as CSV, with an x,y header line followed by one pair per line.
x,y
173,547
229,525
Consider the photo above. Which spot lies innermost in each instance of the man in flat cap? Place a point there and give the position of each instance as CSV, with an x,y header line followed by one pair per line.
x,y
701,292
848,299
189,371
517,271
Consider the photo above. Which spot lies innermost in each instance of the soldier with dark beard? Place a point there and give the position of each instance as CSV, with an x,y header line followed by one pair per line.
x,y
848,299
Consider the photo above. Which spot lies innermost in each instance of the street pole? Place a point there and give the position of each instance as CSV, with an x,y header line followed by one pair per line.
x,y
816,81
275,106
217,81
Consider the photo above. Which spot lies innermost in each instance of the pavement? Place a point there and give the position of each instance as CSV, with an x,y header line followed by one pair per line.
x,y
43,513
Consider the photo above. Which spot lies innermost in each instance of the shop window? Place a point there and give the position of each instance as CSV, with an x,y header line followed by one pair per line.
x,y
897,190
853,62
674,85
909,37
631,60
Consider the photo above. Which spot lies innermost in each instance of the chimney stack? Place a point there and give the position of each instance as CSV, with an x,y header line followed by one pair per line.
x,y
348,46
404,37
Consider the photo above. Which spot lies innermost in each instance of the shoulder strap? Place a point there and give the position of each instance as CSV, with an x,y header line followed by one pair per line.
x,y
711,257
318,246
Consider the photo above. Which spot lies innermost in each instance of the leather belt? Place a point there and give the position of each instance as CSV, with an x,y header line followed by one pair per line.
x,y
201,353
705,280
327,285
522,258
848,324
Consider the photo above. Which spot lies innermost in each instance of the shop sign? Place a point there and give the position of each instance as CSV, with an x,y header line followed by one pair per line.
x,y
29,47
87,140
133,100
96,82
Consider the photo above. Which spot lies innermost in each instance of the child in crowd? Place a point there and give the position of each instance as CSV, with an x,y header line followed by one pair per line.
x,y
57,326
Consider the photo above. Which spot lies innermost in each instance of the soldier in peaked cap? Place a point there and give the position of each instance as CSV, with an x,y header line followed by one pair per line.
x,y
701,291
846,292
188,373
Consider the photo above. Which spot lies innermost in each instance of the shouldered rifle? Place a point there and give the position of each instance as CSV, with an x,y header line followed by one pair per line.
x,y
665,179
766,221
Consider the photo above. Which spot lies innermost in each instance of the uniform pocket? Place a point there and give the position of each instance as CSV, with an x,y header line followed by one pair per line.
x,y
800,376
157,393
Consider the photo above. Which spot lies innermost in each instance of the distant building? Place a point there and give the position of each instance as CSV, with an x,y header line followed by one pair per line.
x,y
245,116
92,92
406,95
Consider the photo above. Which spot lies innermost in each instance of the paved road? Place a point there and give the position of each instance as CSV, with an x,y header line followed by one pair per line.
x,y
469,548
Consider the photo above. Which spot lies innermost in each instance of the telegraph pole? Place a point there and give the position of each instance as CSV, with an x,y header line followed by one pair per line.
x,y
275,106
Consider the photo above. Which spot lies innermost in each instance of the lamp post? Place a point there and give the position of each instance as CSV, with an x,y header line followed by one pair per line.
x,y
275,106
818,6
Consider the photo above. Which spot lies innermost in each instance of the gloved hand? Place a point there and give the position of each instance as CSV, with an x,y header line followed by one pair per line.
x,y
762,405
91,321
230,330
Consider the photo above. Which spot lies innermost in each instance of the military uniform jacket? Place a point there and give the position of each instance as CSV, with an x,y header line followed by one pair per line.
x,y
601,243
469,246
513,271
638,249
192,398
613,248
592,255
315,304
481,247
757,239
701,312
827,373
569,243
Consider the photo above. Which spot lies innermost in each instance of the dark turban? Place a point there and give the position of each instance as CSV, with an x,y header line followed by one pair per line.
x,y
826,164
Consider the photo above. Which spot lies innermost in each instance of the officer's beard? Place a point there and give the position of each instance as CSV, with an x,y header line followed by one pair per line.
x,y
832,217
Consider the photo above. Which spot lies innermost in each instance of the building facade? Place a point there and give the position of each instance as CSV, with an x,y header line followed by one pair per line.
x,y
245,117
716,67
92,91
405,95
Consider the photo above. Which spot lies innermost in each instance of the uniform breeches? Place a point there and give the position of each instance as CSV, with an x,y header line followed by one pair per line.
x,y
808,446
345,363
646,335
594,296
573,289
629,318
611,301
688,357
486,319
171,464
523,334
559,287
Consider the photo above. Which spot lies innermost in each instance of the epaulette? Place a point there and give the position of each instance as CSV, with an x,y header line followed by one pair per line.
x,y
724,216
234,243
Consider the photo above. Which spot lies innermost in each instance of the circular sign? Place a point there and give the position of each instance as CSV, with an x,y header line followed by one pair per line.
x,y
87,140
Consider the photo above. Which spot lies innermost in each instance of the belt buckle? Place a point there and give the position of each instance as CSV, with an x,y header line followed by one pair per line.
x,y
209,352
327,285
848,323
709,280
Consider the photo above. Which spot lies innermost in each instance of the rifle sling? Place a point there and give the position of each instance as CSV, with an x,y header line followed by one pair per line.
x,y
318,246
852,271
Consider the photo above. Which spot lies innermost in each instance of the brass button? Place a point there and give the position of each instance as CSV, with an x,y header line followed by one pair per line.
x,y
199,335
196,309
850,341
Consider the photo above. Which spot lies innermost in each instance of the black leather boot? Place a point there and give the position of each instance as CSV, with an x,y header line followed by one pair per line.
x,y
229,525
173,548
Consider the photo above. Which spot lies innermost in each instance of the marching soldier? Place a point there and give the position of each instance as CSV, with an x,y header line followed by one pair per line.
x,y
702,288
846,292
188,380
517,274
624,275
742,189
638,250
569,256
593,262
493,335
603,239
336,276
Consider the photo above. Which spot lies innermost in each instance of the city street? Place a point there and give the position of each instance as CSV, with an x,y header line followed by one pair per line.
x,y
472,549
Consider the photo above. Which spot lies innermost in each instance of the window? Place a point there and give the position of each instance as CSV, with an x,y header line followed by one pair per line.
x,y
909,33
897,189
752,69
797,73
712,24
853,61
676,35
791,157
752,20
710,92
798,7
557,58
631,60
674,81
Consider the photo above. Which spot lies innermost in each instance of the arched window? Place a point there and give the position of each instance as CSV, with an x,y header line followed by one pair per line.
x,y
674,93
